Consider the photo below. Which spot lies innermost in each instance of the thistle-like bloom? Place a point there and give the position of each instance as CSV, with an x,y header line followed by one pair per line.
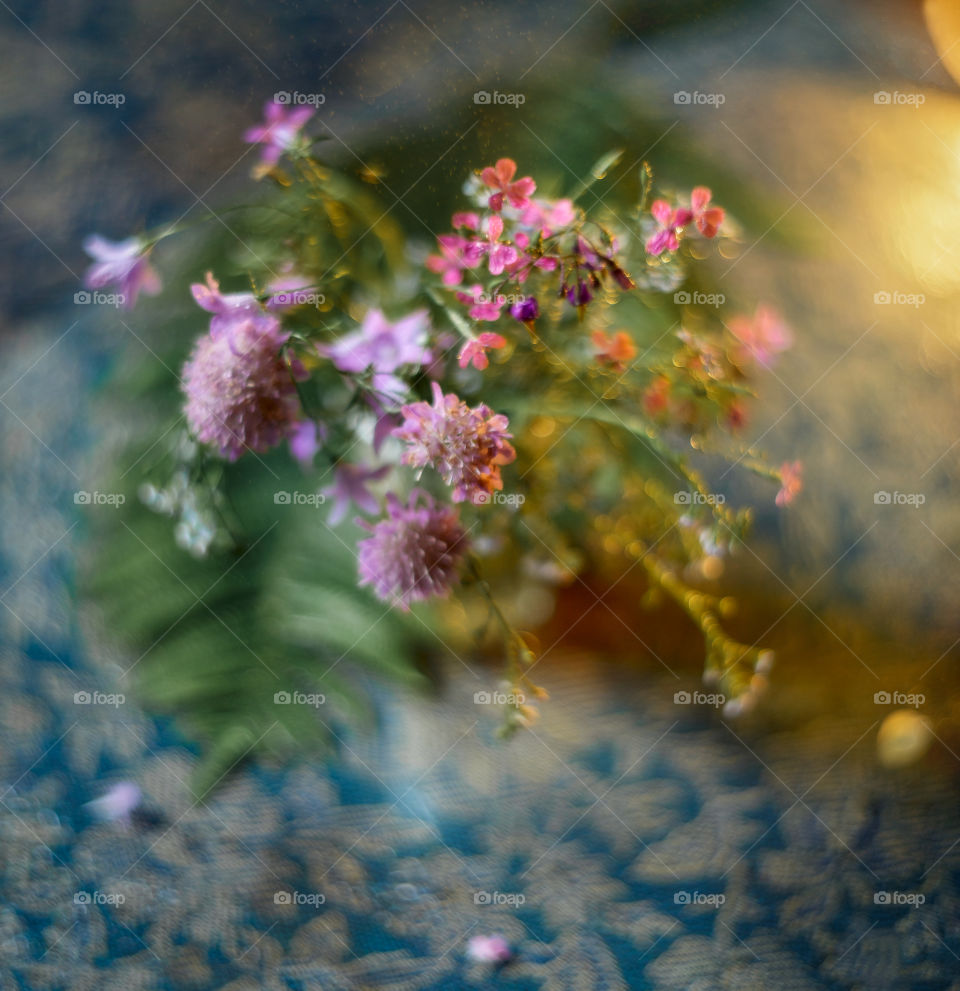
x,y
413,553
466,446
124,264
476,350
500,178
280,130
240,394
791,482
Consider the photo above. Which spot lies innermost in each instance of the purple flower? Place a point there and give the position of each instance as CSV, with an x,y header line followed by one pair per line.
x,y
280,130
383,347
350,486
124,264
413,553
117,804
526,310
306,439
227,308
466,446
240,394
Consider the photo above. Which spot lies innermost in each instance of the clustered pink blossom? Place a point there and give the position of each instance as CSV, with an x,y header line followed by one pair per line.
x,y
674,220
239,390
414,552
519,236
466,446
123,264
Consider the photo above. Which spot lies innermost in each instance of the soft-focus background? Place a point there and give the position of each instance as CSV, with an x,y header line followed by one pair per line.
x,y
837,139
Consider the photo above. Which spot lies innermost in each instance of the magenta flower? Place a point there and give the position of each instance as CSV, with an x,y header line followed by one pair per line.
x,y
467,219
483,305
476,350
500,178
761,338
350,486
124,264
239,391
413,553
117,804
525,310
672,221
708,218
466,446
280,130
791,482
489,949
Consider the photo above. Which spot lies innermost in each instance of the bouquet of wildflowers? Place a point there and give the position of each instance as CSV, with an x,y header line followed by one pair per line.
x,y
506,407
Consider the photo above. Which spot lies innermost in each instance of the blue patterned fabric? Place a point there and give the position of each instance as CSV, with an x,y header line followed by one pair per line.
x,y
597,844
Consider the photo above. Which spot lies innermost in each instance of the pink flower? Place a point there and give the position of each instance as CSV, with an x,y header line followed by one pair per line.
x,y
279,132
476,350
708,219
239,392
483,305
500,177
548,217
413,553
762,337
791,482
456,254
466,219
466,446
124,264
499,255
489,949
672,221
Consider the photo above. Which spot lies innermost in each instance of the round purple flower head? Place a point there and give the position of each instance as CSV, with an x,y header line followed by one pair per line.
x,y
413,553
466,446
239,391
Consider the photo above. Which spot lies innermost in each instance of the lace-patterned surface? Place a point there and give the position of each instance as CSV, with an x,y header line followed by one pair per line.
x,y
595,843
